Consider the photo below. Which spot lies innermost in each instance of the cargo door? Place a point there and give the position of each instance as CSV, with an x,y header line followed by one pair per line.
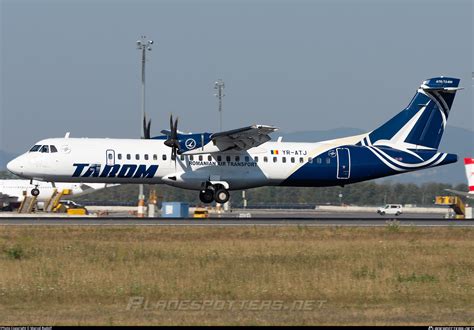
x,y
343,163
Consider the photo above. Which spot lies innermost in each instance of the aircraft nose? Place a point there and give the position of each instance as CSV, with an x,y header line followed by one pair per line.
x,y
15,166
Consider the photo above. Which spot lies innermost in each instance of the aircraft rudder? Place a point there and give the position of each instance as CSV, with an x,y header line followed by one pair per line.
x,y
469,166
421,124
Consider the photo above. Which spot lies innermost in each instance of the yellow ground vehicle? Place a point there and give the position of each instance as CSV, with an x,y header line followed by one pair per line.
x,y
201,212
70,207
455,203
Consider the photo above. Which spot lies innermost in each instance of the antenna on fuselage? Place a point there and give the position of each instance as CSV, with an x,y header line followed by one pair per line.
x,y
67,135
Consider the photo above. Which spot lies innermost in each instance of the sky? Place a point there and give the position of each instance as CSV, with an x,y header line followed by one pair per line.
x,y
73,66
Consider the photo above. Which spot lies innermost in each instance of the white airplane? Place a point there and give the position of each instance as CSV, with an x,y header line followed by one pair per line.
x,y
214,163
469,165
12,192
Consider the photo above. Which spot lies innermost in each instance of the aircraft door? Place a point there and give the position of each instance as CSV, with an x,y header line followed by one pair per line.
x,y
343,163
110,157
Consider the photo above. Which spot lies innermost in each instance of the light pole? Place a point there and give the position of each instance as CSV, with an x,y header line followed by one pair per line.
x,y
144,45
219,86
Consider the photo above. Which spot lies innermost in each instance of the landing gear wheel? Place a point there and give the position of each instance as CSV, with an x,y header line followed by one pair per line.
x,y
35,192
206,196
222,196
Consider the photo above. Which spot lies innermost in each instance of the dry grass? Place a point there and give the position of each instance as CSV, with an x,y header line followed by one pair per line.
x,y
377,276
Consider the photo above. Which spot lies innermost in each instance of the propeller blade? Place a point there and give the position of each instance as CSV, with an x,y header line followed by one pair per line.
x,y
172,140
149,129
146,128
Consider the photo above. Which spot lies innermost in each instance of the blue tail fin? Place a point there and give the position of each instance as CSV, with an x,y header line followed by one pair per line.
x,y
422,123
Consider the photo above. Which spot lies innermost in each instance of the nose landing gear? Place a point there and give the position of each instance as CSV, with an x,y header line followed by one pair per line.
x,y
35,191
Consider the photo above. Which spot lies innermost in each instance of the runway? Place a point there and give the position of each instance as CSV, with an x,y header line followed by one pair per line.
x,y
317,222
243,217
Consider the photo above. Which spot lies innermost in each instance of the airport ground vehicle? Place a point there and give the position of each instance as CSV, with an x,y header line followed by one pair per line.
x,y
392,209
201,212
70,207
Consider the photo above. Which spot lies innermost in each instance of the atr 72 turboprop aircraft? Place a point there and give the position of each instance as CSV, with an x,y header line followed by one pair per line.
x,y
215,163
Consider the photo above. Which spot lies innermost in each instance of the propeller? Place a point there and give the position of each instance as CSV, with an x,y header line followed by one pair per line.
x,y
146,128
172,140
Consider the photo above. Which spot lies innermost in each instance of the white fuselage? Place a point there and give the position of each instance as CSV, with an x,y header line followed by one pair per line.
x,y
149,161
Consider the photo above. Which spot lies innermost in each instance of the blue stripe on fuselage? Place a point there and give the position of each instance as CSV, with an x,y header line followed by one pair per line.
x,y
365,165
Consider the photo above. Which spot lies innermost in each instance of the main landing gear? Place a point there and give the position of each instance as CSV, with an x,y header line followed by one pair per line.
x,y
214,193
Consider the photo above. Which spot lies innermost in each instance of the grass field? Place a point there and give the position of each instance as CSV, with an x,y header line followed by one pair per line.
x,y
62,275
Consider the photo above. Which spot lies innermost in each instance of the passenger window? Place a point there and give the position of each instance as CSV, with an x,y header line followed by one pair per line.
x,y
163,157
219,158
119,156
237,158
292,159
209,158
227,158
275,159
310,160
181,157
146,156
129,157
35,148
44,149
301,160
283,159
318,160
265,159
155,157
256,159
200,158
137,156
247,159
191,157
53,149
110,156
328,160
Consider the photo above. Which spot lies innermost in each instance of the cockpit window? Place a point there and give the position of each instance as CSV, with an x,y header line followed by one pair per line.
x,y
53,149
45,149
35,148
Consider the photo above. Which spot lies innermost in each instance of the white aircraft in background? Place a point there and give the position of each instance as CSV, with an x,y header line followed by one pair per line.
x,y
469,165
12,192
214,163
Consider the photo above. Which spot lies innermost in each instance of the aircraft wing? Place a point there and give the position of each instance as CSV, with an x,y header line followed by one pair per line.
x,y
91,187
242,138
461,193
